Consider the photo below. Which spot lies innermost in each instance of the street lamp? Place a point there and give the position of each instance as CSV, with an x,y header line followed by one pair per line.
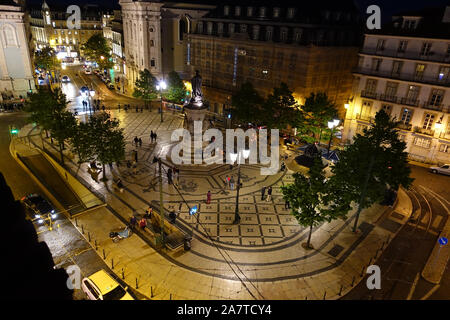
x,y
331,126
160,87
238,156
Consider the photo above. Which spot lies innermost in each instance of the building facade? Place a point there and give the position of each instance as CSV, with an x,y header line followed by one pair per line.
x,y
404,69
16,72
113,32
311,48
49,27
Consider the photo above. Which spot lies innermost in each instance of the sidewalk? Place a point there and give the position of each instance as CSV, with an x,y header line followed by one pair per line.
x,y
228,261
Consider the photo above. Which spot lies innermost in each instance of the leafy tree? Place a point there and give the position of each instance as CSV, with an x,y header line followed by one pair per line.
x,y
176,92
82,143
62,128
96,49
45,58
109,142
280,108
145,87
314,116
376,159
247,104
310,199
43,104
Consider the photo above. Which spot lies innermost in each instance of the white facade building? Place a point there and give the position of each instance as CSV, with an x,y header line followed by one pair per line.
x,y
405,70
16,74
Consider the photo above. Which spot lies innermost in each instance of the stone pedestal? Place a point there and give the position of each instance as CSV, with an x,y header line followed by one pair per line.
x,y
195,113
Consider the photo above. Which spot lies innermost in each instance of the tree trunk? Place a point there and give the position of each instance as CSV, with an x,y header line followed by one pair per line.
x,y
363,191
308,243
104,173
46,134
61,152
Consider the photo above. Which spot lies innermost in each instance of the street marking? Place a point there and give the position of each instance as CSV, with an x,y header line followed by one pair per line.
x,y
413,287
425,297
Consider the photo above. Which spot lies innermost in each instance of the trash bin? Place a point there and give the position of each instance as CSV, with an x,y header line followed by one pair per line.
x,y
187,243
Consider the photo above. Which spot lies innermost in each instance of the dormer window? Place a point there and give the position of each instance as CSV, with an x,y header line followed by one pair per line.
x,y
226,10
249,11
269,33
410,24
237,11
255,32
283,34
262,12
276,12
290,13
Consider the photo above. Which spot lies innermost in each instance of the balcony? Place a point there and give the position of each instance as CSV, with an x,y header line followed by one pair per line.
x,y
365,118
444,135
404,126
431,56
419,78
427,132
432,106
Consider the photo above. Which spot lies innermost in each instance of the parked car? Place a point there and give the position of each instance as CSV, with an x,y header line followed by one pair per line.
x,y
39,207
101,286
65,79
88,71
111,86
445,169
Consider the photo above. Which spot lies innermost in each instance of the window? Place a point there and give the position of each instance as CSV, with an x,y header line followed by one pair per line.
x,y
413,93
152,62
436,97
409,24
402,46
420,68
406,116
249,11
387,108
255,34
243,28
391,89
426,47
360,128
283,34
366,109
231,28
298,35
380,44
371,85
443,74
262,12
444,148
226,10
428,121
397,67
237,11
422,142
376,63
276,12
269,32
290,13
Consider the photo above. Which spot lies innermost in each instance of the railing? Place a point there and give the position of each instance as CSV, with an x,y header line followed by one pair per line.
x,y
444,135
430,106
431,56
428,132
404,126
364,118
390,98
404,76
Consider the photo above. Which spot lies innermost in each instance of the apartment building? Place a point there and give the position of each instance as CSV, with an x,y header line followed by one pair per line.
x,y
404,69
113,32
310,46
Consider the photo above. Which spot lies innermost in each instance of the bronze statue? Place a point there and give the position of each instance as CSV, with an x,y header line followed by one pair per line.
x,y
197,94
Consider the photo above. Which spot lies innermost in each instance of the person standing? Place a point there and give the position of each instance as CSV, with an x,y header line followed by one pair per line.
x,y
133,222
135,156
148,213
140,142
269,194
143,223
154,135
232,183
177,174
151,136
208,197
136,140
263,191
287,205
137,109
169,176
119,107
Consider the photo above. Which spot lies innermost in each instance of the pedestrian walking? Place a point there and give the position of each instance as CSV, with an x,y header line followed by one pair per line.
x,y
208,197
287,205
134,168
263,191
137,109
143,223
142,109
135,156
133,222
155,136
136,140
176,172
119,107
232,183
151,136
103,108
148,213
140,142
172,216
269,194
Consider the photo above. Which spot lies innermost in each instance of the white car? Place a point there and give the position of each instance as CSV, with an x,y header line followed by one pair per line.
x,y
65,79
101,286
445,169
88,71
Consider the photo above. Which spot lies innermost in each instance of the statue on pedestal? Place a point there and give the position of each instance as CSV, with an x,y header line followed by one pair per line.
x,y
197,94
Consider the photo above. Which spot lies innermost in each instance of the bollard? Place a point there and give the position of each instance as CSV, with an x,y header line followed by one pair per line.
x,y
137,283
340,291
362,271
112,263
82,229
104,255
89,236
306,297
76,222
151,292
324,295
123,275
95,242
170,297
353,281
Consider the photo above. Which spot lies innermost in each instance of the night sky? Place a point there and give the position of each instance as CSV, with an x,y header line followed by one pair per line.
x,y
388,7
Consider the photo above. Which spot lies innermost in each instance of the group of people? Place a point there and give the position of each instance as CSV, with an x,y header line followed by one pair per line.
x,y
138,141
229,182
153,136
10,106
173,172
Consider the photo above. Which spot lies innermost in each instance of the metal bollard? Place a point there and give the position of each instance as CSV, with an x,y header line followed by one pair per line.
x,y
340,290
170,297
123,275
306,297
104,255
112,263
82,229
89,236
137,283
324,295
353,281
76,222
95,243
362,271
151,292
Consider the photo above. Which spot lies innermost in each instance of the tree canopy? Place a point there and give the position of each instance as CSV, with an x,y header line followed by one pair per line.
x,y
96,49
176,91
145,86
279,108
247,104
45,58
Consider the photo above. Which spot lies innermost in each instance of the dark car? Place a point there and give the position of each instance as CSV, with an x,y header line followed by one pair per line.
x,y
110,86
39,207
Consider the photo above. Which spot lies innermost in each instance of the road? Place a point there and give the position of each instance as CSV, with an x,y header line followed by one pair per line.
x,y
67,245
403,260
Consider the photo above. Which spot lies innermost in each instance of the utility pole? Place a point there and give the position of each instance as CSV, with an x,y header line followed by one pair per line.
x,y
161,204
